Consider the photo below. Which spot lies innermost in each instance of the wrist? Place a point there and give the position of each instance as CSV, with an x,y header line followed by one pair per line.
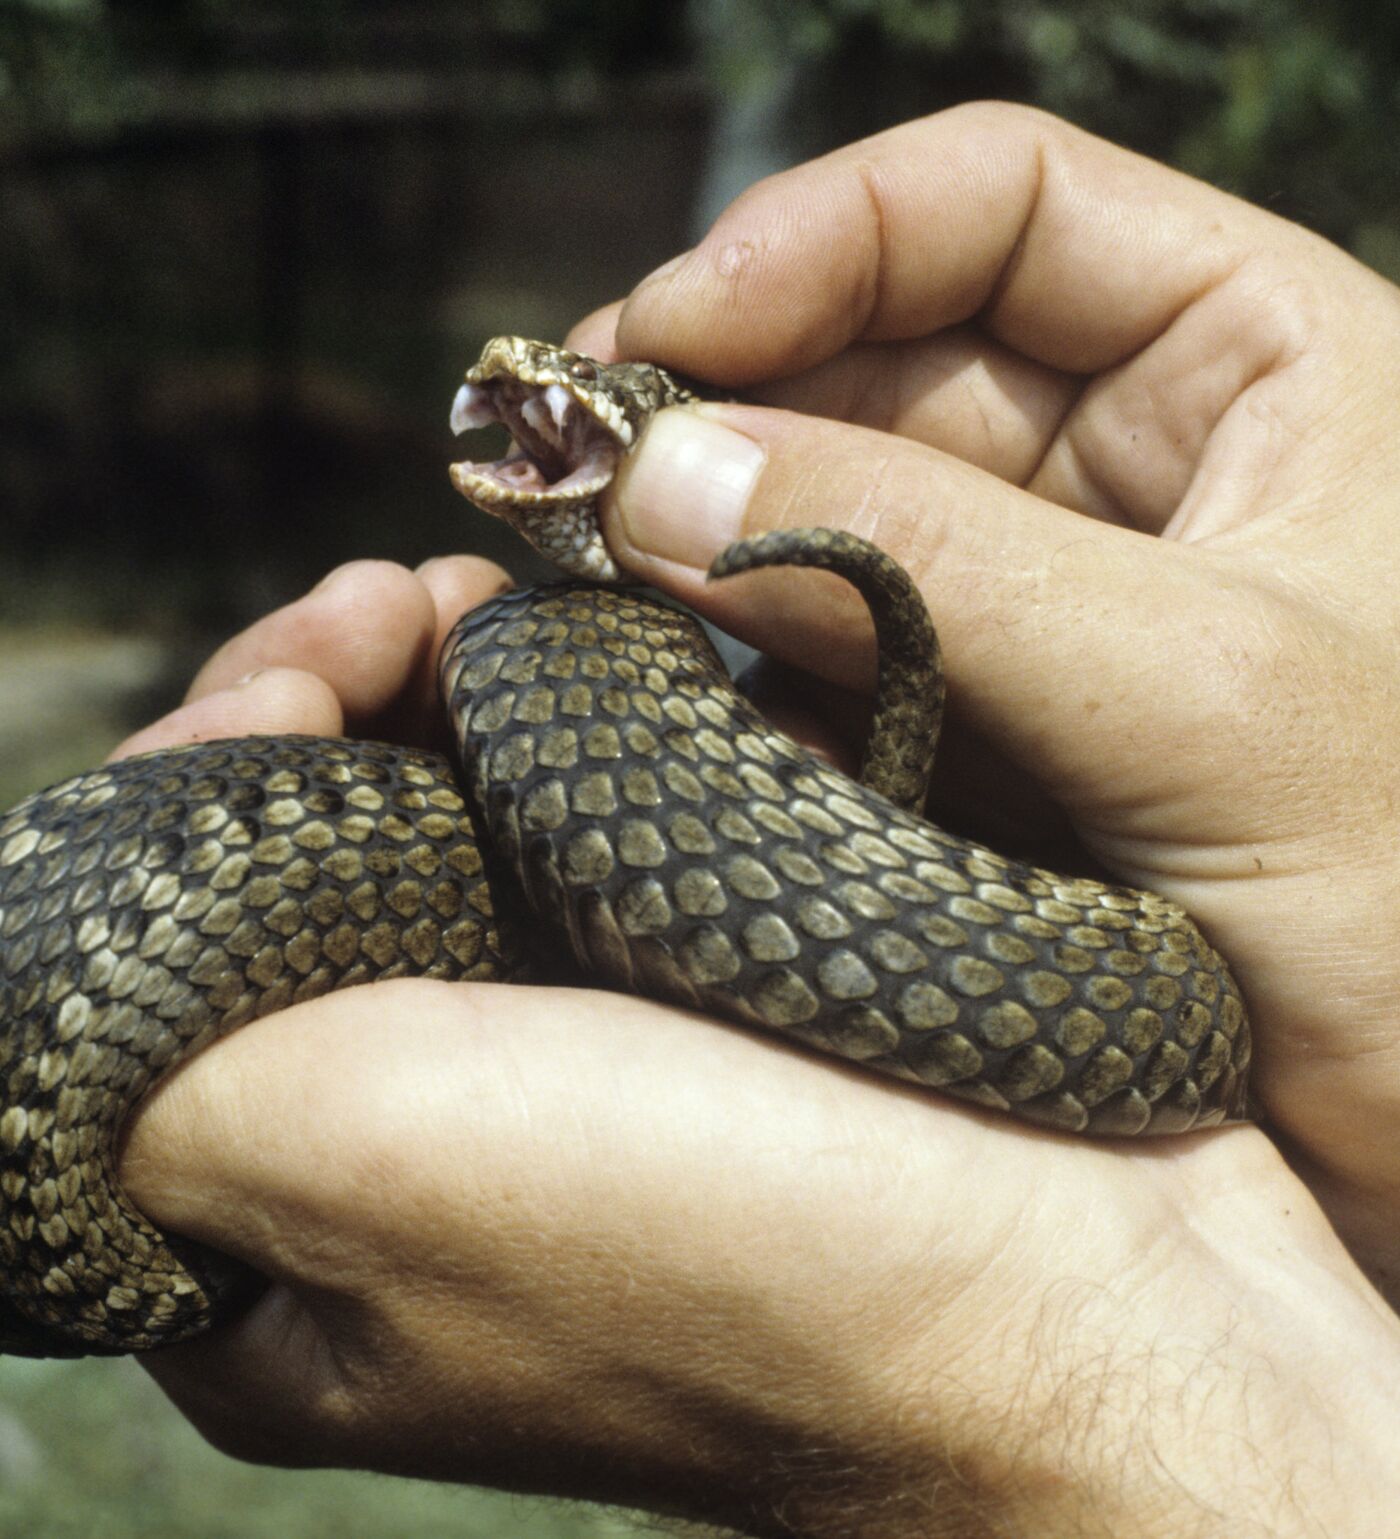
x,y
1233,1374
1233,1377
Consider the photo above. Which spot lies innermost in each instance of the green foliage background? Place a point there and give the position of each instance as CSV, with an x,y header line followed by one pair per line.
x,y
1290,103
132,1469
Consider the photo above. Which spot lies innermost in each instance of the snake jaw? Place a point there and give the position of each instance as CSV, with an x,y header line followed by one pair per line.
x,y
567,437
571,420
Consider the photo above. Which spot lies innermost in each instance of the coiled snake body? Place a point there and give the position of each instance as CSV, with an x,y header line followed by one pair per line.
x,y
615,790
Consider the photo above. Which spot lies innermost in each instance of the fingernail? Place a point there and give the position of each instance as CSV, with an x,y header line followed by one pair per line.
x,y
685,491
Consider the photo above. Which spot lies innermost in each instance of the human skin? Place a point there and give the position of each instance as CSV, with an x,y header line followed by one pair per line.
x,y
1136,442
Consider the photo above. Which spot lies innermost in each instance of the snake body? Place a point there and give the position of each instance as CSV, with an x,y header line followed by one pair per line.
x,y
612,791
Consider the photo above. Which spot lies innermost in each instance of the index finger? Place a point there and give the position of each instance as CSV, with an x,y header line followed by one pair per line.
x,y
1070,250
359,652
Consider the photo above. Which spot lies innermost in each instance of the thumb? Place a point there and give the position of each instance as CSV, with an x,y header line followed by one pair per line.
x,y
1086,652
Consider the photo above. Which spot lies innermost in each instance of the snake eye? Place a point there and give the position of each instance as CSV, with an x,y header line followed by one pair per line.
x,y
583,369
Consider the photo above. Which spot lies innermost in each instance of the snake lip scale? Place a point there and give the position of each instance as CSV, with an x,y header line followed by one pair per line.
x,y
613,797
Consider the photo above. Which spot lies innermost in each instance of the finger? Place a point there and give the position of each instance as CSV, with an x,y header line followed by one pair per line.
x,y
270,702
596,334
290,1075
958,391
273,701
455,584
366,629
259,1149
1070,250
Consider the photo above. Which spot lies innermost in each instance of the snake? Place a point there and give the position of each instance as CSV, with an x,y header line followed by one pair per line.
x,y
615,813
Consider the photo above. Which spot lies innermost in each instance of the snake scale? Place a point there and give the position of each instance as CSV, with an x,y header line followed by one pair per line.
x,y
615,798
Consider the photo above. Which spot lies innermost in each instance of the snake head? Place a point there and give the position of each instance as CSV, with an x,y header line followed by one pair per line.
x,y
571,419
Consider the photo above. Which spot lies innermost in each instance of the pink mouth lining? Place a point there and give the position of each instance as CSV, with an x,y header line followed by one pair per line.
x,y
560,448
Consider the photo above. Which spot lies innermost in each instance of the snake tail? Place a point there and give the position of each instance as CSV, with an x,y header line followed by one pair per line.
x,y
899,751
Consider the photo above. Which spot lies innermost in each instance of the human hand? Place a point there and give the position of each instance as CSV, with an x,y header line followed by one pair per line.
x,y
564,1241
1138,443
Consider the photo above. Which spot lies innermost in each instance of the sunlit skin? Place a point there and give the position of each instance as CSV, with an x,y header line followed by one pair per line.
x,y
1137,443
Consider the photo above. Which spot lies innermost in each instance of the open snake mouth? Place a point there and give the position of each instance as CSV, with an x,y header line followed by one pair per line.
x,y
566,440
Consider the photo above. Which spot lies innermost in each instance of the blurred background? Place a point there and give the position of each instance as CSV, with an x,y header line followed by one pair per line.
x,y
246,250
